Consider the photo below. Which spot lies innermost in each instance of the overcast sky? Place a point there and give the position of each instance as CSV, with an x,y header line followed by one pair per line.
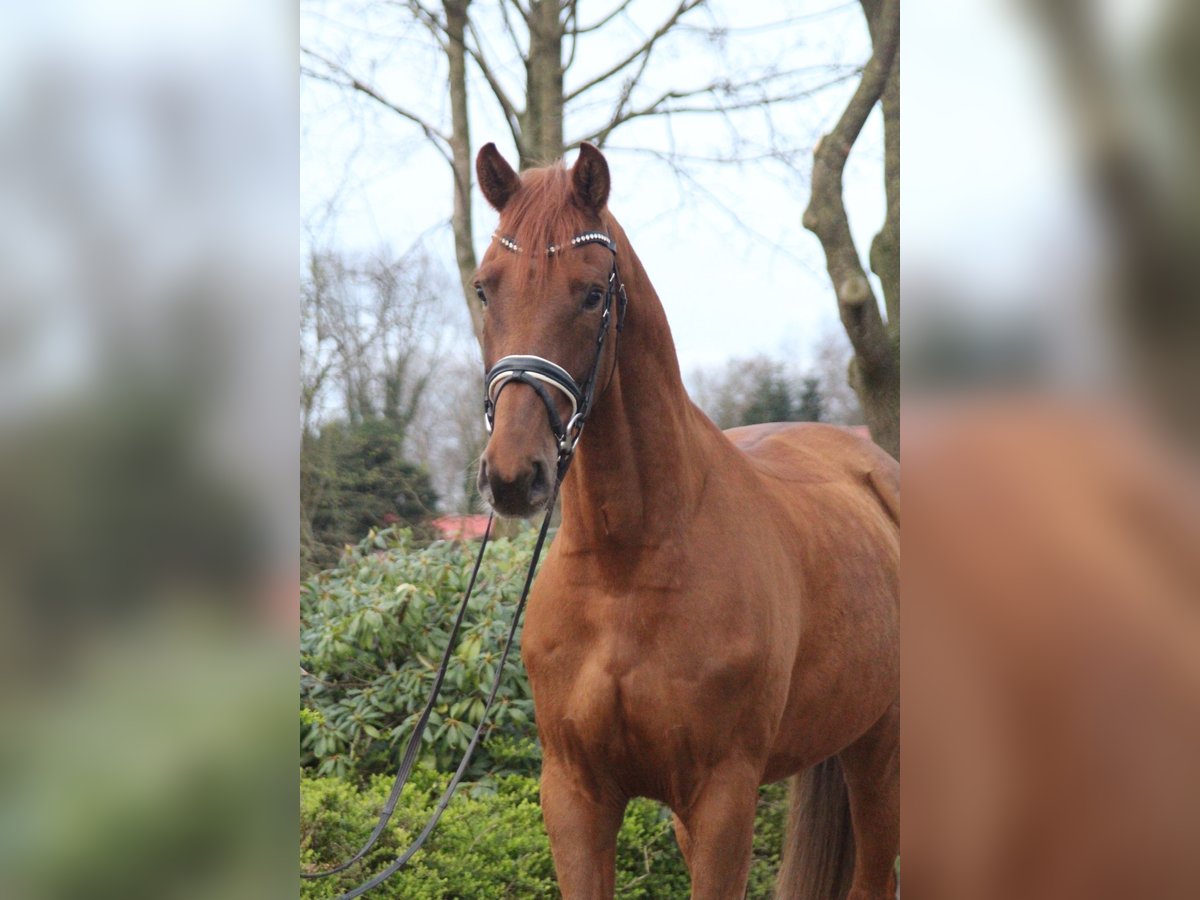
x,y
730,289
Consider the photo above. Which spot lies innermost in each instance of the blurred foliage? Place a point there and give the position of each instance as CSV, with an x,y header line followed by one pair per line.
x,y
107,507
147,766
372,634
491,841
354,479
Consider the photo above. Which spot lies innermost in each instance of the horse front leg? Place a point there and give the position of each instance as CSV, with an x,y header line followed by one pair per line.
x,y
719,828
583,834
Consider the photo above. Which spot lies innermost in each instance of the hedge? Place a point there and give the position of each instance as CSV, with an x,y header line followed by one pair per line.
x,y
491,842
372,634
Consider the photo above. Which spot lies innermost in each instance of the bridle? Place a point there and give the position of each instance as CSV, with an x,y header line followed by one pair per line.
x,y
540,373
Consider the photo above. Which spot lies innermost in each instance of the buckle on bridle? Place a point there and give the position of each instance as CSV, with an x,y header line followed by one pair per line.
x,y
571,435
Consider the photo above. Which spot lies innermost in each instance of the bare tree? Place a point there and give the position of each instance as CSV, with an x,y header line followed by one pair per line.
x,y
448,436
535,82
371,331
316,362
875,370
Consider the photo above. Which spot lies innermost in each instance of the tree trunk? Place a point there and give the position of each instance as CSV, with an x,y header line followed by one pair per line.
x,y
885,248
542,120
460,148
875,370
885,258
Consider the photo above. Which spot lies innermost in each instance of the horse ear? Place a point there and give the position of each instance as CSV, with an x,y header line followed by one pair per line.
x,y
589,178
497,179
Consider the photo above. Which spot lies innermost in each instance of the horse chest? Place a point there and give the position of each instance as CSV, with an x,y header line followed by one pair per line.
x,y
614,728
615,705
602,686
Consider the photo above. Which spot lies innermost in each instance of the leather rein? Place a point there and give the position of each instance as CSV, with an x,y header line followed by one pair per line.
x,y
538,373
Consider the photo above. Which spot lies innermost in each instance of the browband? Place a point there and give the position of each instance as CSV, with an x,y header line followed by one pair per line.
x,y
588,237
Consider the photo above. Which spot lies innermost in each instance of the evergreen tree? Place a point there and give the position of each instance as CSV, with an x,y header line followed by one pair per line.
x,y
811,406
771,398
353,479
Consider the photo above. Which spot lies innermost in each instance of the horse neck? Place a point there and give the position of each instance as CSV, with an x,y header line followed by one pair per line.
x,y
637,468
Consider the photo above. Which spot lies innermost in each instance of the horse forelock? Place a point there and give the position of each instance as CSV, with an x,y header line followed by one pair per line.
x,y
542,214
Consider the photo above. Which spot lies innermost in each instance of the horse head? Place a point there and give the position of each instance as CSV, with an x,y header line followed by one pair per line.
x,y
551,294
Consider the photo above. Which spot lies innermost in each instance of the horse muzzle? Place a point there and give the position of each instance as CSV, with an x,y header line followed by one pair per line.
x,y
517,491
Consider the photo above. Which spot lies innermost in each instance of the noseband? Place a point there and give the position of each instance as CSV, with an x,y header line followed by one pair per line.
x,y
541,373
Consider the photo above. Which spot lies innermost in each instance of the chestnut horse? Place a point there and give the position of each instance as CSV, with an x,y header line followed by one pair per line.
x,y
719,610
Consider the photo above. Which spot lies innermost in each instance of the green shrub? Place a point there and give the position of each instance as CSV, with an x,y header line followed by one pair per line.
x,y
372,634
491,842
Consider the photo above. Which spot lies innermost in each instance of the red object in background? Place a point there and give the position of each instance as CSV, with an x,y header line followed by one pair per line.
x,y
462,528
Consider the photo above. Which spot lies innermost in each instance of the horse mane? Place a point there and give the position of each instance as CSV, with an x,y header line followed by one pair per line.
x,y
542,213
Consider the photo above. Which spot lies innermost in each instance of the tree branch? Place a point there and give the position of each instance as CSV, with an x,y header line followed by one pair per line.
x,y
659,107
626,92
571,8
826,213
690,185
511,113
600,23
512,32
572,16
782,154
684,7
339,76
441,33
432,23
464,249
525,13
726,30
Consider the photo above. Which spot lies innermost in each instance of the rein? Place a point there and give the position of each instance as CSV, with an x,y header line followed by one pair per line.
x,y
536,372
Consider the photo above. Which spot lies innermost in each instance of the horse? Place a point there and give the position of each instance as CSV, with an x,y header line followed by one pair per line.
x,y
718,610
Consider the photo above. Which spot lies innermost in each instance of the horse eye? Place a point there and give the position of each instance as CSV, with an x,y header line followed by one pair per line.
x,y
594,296
480,294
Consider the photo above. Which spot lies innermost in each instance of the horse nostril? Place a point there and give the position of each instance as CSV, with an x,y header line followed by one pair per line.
x,y
539,484
523,492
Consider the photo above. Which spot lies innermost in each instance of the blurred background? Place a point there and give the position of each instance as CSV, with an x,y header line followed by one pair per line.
x,y
1051,643
148,358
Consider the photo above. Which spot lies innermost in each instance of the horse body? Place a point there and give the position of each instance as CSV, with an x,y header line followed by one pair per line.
x,y
717,611
648,654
